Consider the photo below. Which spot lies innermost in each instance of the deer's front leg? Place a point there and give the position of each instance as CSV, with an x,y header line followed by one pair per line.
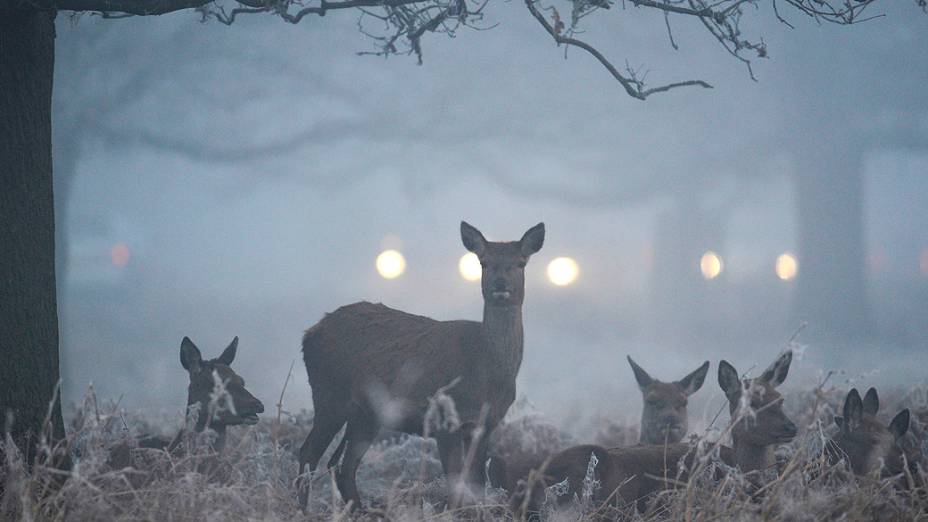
x,y
463,454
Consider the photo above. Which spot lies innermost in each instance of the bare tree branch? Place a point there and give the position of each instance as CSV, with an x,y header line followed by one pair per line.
x,y
633,86
405,22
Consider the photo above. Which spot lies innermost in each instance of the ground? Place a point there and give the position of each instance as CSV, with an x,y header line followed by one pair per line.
x,y
115,479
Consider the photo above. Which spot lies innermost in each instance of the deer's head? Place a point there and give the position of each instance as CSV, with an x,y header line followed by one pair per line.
x,y
866,442
503,263
664,417
243,408
755,404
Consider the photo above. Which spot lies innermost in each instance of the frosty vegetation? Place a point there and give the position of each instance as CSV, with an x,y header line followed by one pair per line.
x,y
115,477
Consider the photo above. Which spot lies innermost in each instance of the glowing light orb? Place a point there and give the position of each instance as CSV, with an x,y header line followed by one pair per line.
x,y
119,255
876,260
390,264
710,265
786,266
469,267
563,271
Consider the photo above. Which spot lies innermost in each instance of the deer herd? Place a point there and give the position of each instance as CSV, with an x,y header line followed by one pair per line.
x,y
371,367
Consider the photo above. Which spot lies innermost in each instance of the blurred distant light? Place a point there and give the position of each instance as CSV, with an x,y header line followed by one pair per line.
x,y
647,256
119,255
710,265
876,260
470,268
786,266
563,271
390,264
923,262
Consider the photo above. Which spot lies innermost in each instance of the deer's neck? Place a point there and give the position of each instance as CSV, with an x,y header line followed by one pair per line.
x,y
751,457
650,434
502,327
201,424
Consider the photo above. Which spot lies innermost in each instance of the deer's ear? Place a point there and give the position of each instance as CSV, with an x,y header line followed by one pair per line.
x,y
871,402
729,380
693,382
900,423
853,409
776,373
190,357
644,380
472,238
533,239
228,355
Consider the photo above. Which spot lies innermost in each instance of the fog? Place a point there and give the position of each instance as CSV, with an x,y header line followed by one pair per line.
x,y
253,173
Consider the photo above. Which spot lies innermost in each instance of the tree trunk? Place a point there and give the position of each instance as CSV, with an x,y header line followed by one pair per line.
x,y
28,307
831,293
683,304
66,139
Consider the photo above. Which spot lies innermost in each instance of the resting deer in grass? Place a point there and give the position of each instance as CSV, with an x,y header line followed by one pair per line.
x,y
865,442
237,406
664,418
632,474
371,366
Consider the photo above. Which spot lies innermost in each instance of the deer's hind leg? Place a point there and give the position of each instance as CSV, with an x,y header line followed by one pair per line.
x,y
359,435
326,424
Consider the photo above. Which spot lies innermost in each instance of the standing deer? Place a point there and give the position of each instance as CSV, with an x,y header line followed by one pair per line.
x,y
866,443
631,474
371,366
664,418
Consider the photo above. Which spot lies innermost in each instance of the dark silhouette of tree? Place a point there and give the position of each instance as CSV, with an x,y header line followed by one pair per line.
x,y
29,326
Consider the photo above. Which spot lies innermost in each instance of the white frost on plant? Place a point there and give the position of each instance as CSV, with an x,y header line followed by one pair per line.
x,y
590,484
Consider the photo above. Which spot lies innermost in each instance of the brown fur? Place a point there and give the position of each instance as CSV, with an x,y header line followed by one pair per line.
x,y
663,417
634,473
624,475
202,374
244,408
865,443
371,366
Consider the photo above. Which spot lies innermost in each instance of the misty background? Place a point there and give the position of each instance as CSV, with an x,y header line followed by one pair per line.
x,y
215,181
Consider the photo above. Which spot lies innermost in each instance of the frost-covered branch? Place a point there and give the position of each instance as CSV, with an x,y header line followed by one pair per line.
x,y
634,86
401,24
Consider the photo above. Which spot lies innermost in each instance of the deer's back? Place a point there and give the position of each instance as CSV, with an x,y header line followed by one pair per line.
x,y
366,348
629,474
639,471
632,473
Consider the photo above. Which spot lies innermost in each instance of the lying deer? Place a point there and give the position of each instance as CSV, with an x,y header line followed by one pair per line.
x,y
664,418
371,366
866,444
663,421
219,414
632,474
236,407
